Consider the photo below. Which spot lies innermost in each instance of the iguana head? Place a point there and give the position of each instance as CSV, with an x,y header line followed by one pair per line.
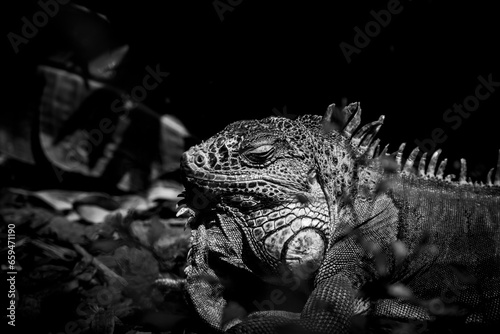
x,y
261,176
275,179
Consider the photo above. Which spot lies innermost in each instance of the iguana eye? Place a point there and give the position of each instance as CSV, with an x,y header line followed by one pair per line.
x,y
260,153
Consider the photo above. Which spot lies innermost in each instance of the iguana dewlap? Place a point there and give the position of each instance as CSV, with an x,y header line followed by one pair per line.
x,y
313,197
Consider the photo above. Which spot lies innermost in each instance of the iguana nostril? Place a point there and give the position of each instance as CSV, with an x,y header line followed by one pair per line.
x,y
199,160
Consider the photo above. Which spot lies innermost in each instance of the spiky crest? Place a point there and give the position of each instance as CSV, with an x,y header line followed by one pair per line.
x,y
431,172
347,122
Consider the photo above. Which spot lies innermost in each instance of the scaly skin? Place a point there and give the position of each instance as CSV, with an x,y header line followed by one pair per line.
x,y
277,198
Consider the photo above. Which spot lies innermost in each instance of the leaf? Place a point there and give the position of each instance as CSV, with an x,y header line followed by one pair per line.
x,y
389,165
232,311
55,251
32,198
102,200
69,231
92,214
400,252
156,230
60,200
105,64
159,192
130,202
399,290
104,246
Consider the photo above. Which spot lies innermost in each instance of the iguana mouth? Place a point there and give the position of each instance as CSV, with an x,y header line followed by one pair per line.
x,y
201,208
245,181
196,213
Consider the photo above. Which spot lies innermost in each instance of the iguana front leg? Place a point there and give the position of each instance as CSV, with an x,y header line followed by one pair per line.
x,y
328,310
202,284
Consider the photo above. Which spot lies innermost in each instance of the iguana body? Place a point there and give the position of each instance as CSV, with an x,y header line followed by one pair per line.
x,y
312,197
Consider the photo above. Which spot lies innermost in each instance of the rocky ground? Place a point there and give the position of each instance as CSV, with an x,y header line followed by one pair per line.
x,y
91,262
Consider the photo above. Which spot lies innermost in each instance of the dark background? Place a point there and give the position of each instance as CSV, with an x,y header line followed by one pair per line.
x,y
267,55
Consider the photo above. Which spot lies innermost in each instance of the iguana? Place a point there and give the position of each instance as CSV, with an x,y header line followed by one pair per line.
x,y
313,195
